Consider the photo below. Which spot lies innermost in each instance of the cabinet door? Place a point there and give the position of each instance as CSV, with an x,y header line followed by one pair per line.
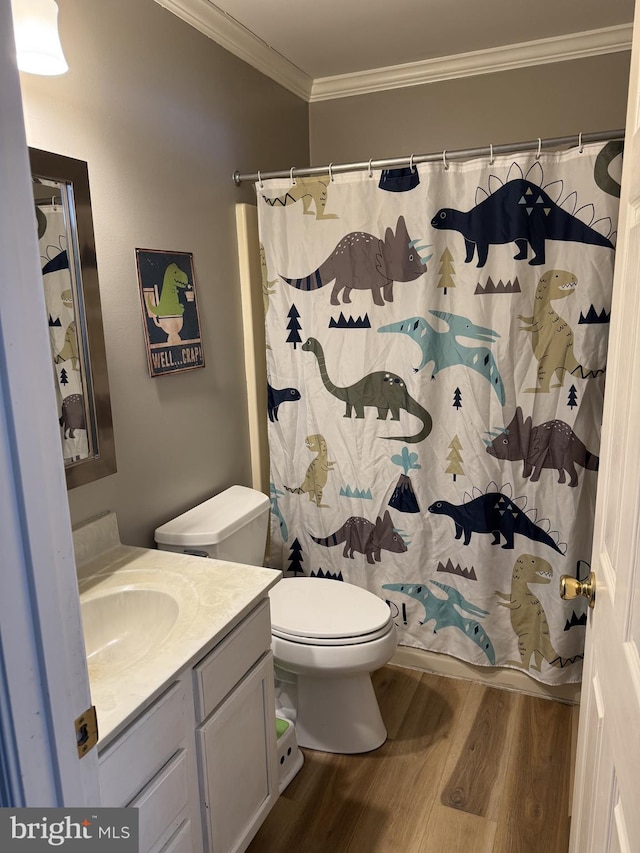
x,y
237,753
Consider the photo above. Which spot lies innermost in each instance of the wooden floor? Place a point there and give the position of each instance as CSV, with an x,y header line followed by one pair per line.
x,y
465,768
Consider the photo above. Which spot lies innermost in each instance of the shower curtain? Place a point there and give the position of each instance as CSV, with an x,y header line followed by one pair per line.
x,y
64,334
436,358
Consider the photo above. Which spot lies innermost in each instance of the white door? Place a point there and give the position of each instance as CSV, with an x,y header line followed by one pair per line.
x,y
606,814
43,672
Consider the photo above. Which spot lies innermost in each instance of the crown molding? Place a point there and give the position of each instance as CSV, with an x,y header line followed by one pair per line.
x,y
237,39
541,52
228,33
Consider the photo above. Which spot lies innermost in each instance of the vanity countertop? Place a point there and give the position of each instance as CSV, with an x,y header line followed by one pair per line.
x,y
210,597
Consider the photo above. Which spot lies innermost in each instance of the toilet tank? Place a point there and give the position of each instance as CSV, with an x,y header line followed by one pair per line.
x,y
229,526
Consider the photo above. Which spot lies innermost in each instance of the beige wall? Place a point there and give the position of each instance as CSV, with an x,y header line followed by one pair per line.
x,y
512,106
163,116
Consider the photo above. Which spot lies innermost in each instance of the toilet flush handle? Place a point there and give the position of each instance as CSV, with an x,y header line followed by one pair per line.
x,y
193,553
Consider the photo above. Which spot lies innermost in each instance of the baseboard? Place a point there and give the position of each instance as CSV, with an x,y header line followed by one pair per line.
x,y
506,679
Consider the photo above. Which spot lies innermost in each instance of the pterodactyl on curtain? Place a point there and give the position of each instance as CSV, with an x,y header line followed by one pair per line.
x,y
436,356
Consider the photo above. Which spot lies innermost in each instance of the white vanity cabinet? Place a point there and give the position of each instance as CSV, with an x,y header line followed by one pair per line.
x,y
236,735
200,762
152,766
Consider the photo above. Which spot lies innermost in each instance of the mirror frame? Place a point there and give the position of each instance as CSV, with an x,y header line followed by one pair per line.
x,y
75,175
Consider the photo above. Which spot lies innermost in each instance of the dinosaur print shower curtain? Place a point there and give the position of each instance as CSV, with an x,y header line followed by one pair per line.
x,y
64,331
436,358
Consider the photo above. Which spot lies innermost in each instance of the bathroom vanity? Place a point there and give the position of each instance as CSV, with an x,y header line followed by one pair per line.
x,y
181,674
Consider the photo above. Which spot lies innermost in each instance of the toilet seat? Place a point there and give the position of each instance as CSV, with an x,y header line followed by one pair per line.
x,y
325,612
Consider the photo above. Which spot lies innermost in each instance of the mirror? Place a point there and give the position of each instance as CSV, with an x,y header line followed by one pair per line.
x,y
72,298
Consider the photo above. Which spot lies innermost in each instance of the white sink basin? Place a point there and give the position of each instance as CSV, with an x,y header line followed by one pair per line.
x,y
149,614
124,625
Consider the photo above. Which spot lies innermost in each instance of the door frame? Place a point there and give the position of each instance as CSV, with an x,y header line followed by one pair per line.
x,y
44,684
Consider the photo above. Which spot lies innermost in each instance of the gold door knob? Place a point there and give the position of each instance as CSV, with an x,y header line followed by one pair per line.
x,y
571,588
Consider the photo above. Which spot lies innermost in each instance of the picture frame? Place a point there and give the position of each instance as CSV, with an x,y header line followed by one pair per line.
x,y
169,310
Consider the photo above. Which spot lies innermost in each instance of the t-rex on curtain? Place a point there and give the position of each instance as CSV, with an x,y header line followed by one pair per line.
x,y
437,345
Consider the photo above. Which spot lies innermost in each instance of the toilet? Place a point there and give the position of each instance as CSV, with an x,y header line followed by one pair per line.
x,y
328,636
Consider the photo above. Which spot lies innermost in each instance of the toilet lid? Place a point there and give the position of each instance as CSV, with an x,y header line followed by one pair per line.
x,y
324,609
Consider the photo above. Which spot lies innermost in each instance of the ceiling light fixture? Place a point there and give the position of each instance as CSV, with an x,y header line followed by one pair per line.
x,y
38,45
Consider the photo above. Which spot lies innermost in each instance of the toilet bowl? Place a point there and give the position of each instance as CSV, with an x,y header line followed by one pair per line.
x,y
328,636
327,639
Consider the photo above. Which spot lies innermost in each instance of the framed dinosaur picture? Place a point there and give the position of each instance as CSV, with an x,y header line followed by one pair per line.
x,y
169,311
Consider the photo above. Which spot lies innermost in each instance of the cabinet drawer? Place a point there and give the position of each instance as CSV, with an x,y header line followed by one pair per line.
x,y
135,757
222,669
160,804
181,841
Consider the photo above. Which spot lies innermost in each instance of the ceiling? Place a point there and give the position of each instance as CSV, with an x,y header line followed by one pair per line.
x,y
333,48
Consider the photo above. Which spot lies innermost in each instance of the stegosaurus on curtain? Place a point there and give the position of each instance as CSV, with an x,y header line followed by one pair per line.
x,y
436,356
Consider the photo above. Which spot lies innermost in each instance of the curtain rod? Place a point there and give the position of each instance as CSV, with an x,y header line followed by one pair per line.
x,y
461,154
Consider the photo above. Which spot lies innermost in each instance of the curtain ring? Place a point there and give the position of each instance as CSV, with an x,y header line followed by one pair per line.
x,y
490,154
291,178
444,160
370,172
539,148
330,171
260,179
581,146
411,166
